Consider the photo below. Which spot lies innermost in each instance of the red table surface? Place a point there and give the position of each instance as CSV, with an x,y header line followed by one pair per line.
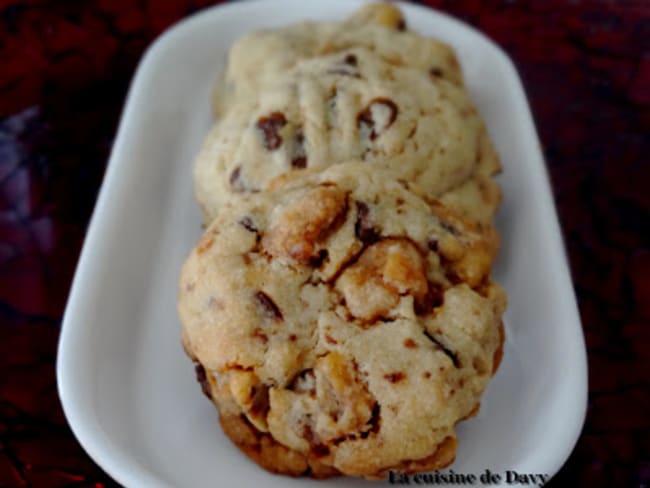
x,y
64,70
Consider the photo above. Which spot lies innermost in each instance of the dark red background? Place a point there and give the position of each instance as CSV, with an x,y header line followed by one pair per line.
x,y
64,70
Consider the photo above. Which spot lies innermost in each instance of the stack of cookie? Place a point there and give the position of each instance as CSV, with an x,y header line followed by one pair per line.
x,y
339,306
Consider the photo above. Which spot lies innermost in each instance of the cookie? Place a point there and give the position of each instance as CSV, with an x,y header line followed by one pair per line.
x,y
342,323
262,56
348,105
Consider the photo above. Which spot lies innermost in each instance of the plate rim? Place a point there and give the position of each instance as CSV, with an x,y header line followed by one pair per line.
x,y
82,421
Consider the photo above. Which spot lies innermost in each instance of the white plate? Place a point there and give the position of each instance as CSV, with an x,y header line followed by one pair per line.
x,y
127,388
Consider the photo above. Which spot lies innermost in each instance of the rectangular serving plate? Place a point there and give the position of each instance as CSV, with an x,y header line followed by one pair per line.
x,y
126,386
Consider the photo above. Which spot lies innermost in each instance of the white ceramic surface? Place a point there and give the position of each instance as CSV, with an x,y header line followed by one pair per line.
x,y
127,388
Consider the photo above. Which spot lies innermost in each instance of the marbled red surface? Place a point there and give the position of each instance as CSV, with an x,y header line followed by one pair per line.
x,y
64,70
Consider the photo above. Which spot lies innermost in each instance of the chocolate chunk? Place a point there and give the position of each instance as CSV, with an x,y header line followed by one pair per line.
x,y
320,450
235,179
247,223
259,400
270,127
317,261
437,72
202,378
346,67
350,59
450,354
370,120
363,227
434,298
433,244
395,377
299,160
268,306
374,421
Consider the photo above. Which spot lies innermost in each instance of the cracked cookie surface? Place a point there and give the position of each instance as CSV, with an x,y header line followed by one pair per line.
x,y
336,317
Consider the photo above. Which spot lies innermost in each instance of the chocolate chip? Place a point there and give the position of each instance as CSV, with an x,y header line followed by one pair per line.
x,y
350,59
268,306
235,179
434,298
363,227
320,450
395,377
202,378
270,126
450,354
317,261
375,419
299,160
259,400
370,120
401,25
433,244
247,223
346,67
437,72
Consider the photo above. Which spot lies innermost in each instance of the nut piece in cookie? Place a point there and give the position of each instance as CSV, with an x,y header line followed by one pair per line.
x,y
297,229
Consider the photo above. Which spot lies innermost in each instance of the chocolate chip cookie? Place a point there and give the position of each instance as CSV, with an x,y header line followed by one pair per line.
x,y
338,316
347,105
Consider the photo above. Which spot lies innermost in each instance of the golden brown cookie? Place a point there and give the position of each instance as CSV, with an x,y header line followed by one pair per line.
x,y
344,324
